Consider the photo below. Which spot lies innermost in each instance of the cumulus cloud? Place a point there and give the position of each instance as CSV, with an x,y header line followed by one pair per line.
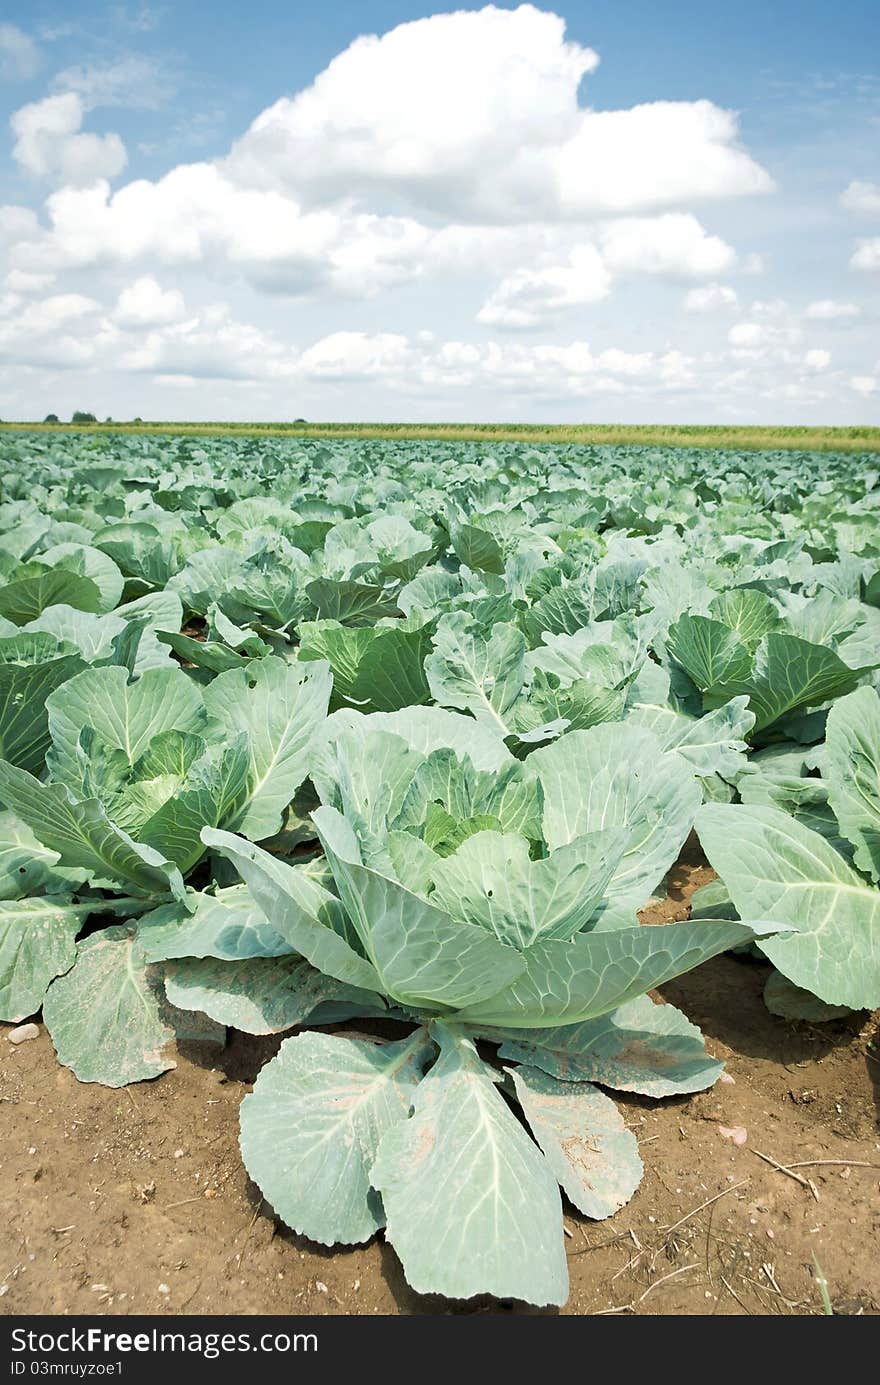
x,y
210,345
144,303
817,360
860,196
17,225
20,281
675,245
73,331
770,335
830,310
532,297
455,147
49,143
52,331
865,385
710,298
195,215
20,57
867,255
475,116
373,176
356,356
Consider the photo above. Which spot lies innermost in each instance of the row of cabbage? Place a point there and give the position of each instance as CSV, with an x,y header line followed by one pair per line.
x,y
294,735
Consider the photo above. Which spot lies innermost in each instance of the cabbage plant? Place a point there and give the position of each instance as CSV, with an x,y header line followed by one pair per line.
x,y
815,868
486,908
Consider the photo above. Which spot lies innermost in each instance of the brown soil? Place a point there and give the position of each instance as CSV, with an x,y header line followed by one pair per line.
x,y
135,1201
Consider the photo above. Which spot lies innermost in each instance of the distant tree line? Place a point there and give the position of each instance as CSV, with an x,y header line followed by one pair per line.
x,y
78,416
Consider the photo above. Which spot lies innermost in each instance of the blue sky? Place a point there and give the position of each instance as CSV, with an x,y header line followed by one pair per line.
x,y
609,211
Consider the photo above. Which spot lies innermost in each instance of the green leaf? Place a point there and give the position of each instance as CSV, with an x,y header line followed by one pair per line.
x,y
88,562
585,1141
215,792
365,776
162,611
617,775
311,1127
229,925
712,655
751,614
83,835
476,548
712,744
343,646
36,945
853,774
419,952
472,1206
280,707
259,995
447,792
213,654
140,551
566,983
790,1002
426,729
791,674
492,881
126,715
24,721
104,1016
391,672
308,917
352,603
639,1047
26,866
777,869
27,597
92,634
474,673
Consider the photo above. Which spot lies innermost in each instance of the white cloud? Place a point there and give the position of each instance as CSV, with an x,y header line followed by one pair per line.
x,y
817,360
445,164
18,225
711,298
55,331
865,385
49,143
830,310
210,345
506,175
19,56
356,355
867,254
860,196
532,297
746,334
772,335
20,281
194,215
144,303
675,245
475,116
407,372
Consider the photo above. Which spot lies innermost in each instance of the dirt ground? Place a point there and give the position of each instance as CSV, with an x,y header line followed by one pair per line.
x,y
135,1201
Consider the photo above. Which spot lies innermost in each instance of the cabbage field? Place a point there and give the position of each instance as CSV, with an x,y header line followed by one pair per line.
x,y
384,745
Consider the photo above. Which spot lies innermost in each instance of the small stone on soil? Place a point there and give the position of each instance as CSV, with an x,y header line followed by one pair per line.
x,y
23,1033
